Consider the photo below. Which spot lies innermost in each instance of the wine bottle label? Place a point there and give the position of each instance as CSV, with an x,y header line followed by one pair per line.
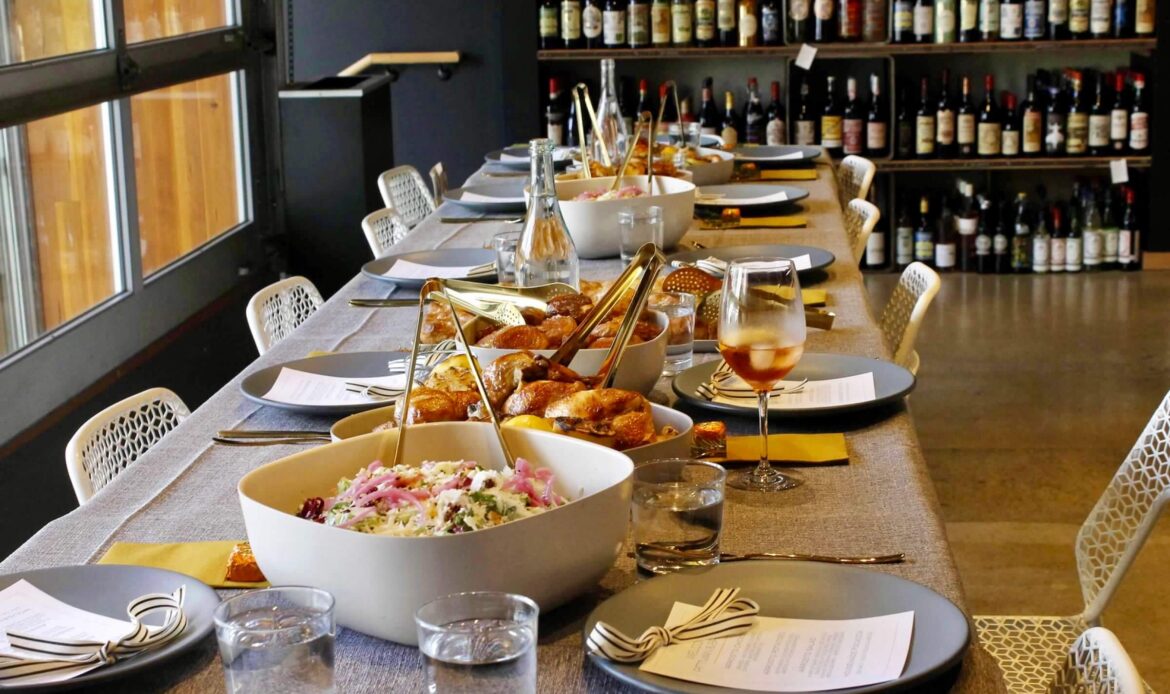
x,y
1109,245
875,250
1010,143
681,23
1054,138
989,16
1057,12
548,22
946,128
1125,246
989,139
1072,254
903,16
1139,131
903,245
853,138
944,21
923,248
823,9
614,27
747,26
965,128
923,20
770,24
874,26
944,255
591,22
1033,19
1011,20
924,129
1099,11
660,24
1118,124
704,20
1078,16
1040,253
798,10
556,133
999,244
639,25
983,245
1078,133
1099,131
968,226
806,132
875,136
726,15
831,135
776,132
1056,255
1143,23
570,20
851,20
1032,141
968,15
1092,247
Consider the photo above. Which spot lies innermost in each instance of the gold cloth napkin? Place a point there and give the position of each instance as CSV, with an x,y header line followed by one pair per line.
x,y
801,449
813,297
809,174
790,221
207,561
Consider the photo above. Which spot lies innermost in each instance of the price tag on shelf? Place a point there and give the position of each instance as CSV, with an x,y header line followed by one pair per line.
x,y
1119,171
805,57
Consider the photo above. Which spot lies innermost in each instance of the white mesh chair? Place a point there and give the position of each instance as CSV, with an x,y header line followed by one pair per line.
x,y
278,309
903,315
1097,663
861,216
438,182
383,229
1030,648
404,189
854,176
117,436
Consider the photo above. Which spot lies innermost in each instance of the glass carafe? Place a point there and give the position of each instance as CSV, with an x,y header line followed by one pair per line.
x,y
546,252
611,128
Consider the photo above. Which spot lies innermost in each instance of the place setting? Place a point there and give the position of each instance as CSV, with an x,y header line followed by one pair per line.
x,y
492,198
411,270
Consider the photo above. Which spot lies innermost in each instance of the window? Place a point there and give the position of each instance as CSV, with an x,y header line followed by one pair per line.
x,y
38,29
147,20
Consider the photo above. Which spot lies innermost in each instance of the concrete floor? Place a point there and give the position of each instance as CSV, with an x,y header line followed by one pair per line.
x,y
1032,391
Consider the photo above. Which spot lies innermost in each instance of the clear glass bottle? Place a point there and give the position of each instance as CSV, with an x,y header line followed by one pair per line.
x,y
546,252
613,130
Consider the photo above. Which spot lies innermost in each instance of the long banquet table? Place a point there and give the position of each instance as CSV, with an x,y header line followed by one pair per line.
x,y
883,501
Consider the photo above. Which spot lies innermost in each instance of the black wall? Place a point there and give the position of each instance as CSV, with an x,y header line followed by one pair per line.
x,y
491,99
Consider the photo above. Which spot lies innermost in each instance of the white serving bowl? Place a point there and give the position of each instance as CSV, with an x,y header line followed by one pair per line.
x,y
575,174
639,369
679,446
593,224
379,581
713,173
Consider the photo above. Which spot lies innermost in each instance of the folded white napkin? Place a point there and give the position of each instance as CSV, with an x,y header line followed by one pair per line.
x,y
467,196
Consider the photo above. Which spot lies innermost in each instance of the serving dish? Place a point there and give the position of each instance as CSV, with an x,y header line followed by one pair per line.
x,y
379,581
593,223
713,173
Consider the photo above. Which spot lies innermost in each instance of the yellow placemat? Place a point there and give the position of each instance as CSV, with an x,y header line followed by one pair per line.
x,y
804,449
788,174
206,561
813,297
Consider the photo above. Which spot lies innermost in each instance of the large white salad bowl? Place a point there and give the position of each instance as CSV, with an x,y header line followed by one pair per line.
x,y
379,581
593,224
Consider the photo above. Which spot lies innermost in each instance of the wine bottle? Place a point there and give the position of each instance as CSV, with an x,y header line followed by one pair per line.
x,y
876,126
1041,245
669,123
554,114
1118,116
1100,18
1073,247
903,21
1139,118
805,127
965,129
660,23
1058,31
1035,20
945,22
1031,122
638,29
968,20
831,126
1078,19
1110,230
754,119
771,26
1011,20
874,28
905,127
1129,239
990,127
571,138
903,239
550,28
709,121
924,234
682,22
1100,118
875,249
1077,142
571,36
824,20
799,21
591,24
945,143
729,128
704,23
988,20
1009,141
925,124
853,121
1058,245
1001,244
983,239
1122,20
1022,238
725,22
923,21
749,25
947,246
1056,125
1092,243
614,24
967,223
851,20
776,133
1143,18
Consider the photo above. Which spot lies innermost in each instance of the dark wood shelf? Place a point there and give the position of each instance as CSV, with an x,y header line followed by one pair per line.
x,y
1015,163
849,50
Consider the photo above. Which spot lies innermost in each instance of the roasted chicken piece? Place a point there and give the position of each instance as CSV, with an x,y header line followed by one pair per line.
x,y
557,328
645,330
432,405
576,306
516,337
532,316
535,397
504,375
607,412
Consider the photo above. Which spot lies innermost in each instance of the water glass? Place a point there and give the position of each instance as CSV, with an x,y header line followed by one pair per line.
x,y
679,308
505,247
482,642
678,514
637,228
277,639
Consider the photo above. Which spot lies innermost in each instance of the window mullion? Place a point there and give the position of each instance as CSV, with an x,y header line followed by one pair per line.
x,y
125,216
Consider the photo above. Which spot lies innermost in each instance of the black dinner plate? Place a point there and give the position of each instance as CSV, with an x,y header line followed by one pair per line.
x,y
818,258
749,195
442,257
523,162
507,197
356,365
777,154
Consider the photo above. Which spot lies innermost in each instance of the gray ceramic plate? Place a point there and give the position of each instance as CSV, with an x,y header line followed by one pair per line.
x,y
749,195
800,590
501,192
818,258
107,590
890,383
705,140
443,257
517,158
354,365
777,154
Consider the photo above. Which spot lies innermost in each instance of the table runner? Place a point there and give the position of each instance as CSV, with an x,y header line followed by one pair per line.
x,y
184,489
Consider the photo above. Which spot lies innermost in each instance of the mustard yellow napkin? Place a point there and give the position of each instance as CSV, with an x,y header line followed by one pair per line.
x,y
206,561
319,352
788,174
813,297
789,221
806,449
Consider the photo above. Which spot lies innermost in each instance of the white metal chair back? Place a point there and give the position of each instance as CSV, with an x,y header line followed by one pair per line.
x,y
278,309
905,311
438,182
117,436
861,216
1097,663
854,176
404,189
383,229
1119,524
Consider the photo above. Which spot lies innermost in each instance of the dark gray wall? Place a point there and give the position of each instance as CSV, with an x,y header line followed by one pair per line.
x,y
491,99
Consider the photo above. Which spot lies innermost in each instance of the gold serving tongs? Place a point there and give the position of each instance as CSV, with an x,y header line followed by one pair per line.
x,y
581,126
529,297
652,261
605,156
617,180
492,309
670,84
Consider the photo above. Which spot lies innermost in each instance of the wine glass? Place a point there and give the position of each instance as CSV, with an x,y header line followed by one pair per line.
x,y
761,337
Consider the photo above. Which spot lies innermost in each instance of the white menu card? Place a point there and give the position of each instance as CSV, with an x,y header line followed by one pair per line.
x,y
406,270
302,388
833,392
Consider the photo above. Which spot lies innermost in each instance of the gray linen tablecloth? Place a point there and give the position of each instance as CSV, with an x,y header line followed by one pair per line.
x,y
185,488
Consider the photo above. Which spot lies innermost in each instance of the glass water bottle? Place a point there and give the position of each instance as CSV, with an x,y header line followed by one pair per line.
x,y
546,252
612,127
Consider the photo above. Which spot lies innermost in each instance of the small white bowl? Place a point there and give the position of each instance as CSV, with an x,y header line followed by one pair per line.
x,y
593,223
379,581
713,173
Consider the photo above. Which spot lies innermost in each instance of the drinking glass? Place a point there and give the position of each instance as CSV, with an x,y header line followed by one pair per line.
x,y
761,337
277,640
505,247
637,228
678,514
679,309
479,642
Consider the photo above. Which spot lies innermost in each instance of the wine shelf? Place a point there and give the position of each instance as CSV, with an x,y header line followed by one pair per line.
x,y
848,50
1013,163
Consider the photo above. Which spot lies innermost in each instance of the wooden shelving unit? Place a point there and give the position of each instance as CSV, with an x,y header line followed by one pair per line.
x,y
1014,164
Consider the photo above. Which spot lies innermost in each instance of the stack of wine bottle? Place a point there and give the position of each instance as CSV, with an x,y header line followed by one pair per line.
x,y
1095,229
